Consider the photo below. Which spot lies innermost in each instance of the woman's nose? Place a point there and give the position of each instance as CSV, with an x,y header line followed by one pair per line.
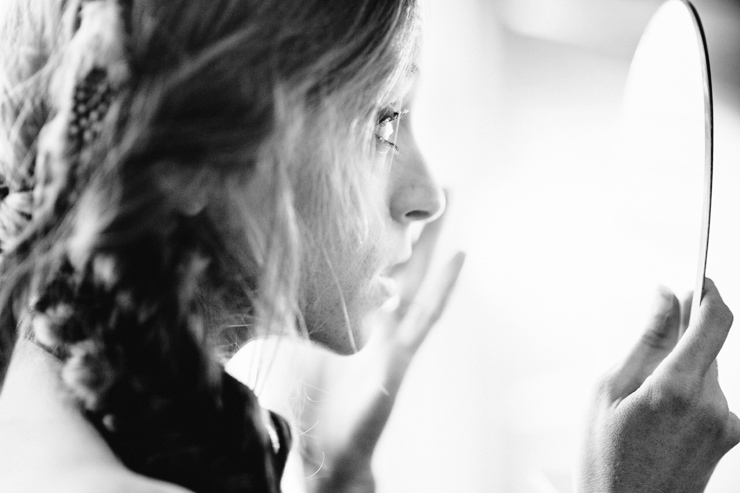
x,y
415,194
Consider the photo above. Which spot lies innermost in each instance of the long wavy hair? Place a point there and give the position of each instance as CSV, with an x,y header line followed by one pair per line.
x,y
170,234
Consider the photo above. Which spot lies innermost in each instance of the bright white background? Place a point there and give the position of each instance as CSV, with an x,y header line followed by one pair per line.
x,y
517,112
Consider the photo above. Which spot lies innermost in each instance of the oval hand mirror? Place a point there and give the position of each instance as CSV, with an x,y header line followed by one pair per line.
x,y
667,126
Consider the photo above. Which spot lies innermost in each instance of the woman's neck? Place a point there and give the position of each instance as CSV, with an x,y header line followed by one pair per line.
x,y
31,388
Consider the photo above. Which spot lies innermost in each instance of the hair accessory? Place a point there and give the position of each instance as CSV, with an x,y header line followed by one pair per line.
x,y
92,99
15,212
93,69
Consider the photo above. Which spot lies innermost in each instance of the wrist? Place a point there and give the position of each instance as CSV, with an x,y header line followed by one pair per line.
x,y
357,479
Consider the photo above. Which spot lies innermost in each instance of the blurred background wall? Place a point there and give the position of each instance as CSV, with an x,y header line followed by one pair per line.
x,y
517,112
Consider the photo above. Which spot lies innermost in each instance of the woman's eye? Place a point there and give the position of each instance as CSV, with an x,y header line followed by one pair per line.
x,y
384,129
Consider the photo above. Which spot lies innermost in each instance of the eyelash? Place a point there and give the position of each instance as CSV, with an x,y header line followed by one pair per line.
x,y
387,116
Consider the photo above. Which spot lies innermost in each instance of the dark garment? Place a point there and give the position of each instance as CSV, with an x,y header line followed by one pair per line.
x,y
234,446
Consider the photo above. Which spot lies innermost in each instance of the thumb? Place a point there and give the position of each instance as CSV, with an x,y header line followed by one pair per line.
x,y
657,341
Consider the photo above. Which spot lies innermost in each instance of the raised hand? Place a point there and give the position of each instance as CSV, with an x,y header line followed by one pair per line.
x,y
661,422
347,417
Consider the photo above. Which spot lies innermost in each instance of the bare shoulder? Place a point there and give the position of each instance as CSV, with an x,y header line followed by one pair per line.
x,y
32,466
39,458
46,445
112,480
84,479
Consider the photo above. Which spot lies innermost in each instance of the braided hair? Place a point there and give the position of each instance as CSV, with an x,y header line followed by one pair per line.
x,y
115,293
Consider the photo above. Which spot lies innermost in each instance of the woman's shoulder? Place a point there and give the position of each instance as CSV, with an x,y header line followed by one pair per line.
x,y
47,446
28,467
110,480
84,478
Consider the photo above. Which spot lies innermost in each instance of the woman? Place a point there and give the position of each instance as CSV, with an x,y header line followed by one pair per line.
x,y
183,175
170,206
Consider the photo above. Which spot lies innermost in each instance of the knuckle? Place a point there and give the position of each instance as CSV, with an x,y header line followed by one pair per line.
x,y
677,396
606,385
664,401
612,387
657,337
603,389
723,316
686,400
720,314
714,418
729,316
730,437
732,433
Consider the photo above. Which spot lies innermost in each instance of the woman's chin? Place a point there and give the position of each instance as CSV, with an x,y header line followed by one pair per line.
x,y
343,326
338,341
337,330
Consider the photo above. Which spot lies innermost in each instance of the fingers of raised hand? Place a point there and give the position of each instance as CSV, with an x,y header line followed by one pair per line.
x,y
411,275
656,342
419,316
661,332
705,336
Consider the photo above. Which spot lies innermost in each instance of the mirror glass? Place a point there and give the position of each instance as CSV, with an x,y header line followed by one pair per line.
x,y
666,147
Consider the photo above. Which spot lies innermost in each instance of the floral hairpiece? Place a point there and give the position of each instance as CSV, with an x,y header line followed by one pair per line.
x,y
93,69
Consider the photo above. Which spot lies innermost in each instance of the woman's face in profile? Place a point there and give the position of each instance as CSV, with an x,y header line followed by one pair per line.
x,y
352,280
